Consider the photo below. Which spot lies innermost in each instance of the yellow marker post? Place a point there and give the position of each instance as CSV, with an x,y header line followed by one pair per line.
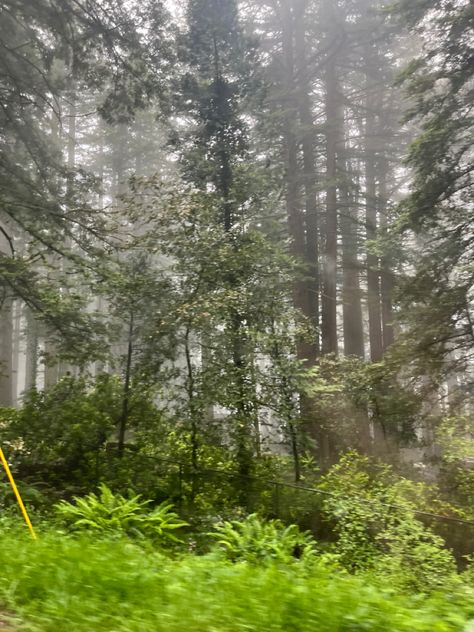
x,y
17,494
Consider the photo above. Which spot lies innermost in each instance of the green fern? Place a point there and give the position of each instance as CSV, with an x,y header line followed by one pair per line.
x,y
113,514
257,541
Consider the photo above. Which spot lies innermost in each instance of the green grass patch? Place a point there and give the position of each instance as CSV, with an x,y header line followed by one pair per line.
x,y
86,584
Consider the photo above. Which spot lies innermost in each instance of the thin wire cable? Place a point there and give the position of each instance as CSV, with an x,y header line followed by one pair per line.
x,y
314,490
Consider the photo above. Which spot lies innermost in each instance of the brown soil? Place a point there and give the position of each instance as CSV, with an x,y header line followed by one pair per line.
x,y
7,622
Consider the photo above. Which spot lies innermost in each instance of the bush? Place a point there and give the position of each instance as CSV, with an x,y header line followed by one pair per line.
x,y
373,515
416,558
258,541
61,435
115,515
56,435
36,497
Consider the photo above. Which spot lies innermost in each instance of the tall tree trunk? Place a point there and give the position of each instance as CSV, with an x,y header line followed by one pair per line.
x,y
123,421
51,370
65,368
6,352
351,292
303,244
349,222
329,298
288,414
31,363
100,302
245,406
16,349
193,409
51,373
307,134
373,275
294,213
386,279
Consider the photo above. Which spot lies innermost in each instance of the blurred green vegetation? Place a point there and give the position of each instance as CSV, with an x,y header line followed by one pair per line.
x,y
144,540
86,583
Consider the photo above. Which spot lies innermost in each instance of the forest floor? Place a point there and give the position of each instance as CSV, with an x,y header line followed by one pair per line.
x,y
8,621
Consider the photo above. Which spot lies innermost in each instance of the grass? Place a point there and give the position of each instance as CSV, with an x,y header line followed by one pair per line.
x,y
60,583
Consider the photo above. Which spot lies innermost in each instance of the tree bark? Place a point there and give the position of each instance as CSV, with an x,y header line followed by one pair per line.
x,y
191,400
6,352
295,216
302,226
16,349
311,220
386,278
351,292
373,274
31,364
51,369
329,298
65,368
122,427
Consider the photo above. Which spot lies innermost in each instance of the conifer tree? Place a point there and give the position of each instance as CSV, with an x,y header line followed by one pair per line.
x,y
438,298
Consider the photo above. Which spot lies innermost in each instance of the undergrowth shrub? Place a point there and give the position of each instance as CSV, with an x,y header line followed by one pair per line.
x,y
37,497
56,434
256,541
116,515
61,435
373,514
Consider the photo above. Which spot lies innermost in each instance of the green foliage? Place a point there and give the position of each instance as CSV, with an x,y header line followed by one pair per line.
x,y
373,515
89,584
457,482
349,391
415,558
435,297
455,435
61,435
113,514
36,497
57,433
45,200
257,541
229,303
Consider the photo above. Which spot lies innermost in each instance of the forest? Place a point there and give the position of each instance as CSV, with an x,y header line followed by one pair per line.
x,y
237,315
